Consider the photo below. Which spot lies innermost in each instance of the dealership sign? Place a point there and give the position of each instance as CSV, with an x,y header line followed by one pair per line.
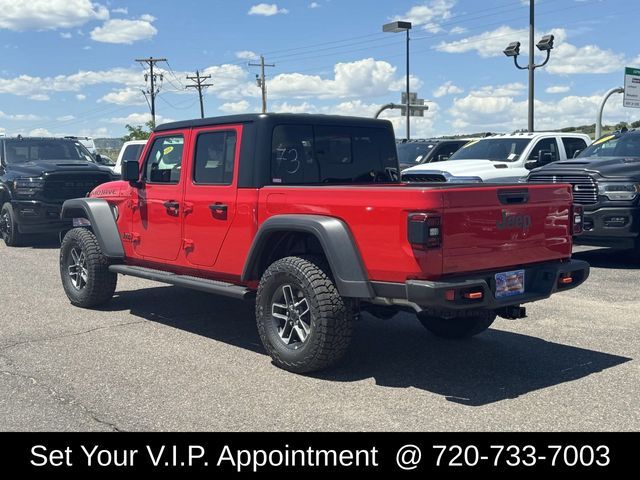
x,y
632,87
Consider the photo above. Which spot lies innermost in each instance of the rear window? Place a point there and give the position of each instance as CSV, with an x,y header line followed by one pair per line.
x,y
304,154
614,146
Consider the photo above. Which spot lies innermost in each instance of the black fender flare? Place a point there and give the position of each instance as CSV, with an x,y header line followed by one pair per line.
x,y
336,241
103,223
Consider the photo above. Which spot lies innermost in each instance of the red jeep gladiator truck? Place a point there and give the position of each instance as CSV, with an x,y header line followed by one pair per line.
x,y
306,215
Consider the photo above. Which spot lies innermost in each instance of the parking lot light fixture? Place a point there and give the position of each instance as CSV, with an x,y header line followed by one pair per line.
x,y
512,50
546,43
397,27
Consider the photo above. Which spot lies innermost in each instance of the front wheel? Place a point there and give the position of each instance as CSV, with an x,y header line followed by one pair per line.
x,y
303,322
456,328
9,228
84,270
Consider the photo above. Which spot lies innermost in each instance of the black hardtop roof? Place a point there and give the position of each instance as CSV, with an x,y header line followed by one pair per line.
x,y
275,118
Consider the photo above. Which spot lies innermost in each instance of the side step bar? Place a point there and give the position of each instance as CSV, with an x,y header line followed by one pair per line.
x,y
195,283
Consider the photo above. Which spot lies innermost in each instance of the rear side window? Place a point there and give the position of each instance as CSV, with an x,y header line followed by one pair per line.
x,y
132,152
572,145
303,154
165,160
215,155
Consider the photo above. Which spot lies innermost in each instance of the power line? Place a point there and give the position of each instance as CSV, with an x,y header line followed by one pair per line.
x,y
198,79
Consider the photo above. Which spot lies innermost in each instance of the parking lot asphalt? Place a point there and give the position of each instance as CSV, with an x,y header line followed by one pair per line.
x,y
165,358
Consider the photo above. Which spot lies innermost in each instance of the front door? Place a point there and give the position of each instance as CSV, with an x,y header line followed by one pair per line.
x,y
210,192
157,214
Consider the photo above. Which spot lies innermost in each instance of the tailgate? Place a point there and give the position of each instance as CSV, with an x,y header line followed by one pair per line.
x,y
485,228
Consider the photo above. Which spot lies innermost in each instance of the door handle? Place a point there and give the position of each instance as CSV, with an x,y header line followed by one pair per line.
x,y
219,208
171,205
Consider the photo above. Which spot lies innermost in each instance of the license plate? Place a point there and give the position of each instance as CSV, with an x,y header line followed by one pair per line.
x,y
509,283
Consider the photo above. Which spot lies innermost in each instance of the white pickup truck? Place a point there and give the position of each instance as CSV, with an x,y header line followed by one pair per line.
x,y
500,158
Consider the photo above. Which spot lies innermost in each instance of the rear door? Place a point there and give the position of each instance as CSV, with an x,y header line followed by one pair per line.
x,y
485,228
210,195
157,204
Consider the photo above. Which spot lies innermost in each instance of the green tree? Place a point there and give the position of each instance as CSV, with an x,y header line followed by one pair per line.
x,y
138,132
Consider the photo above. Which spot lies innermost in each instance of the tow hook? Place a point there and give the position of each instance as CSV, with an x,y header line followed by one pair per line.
x,y
512,312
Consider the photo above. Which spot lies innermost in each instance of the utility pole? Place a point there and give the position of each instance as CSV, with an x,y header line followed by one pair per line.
x,y
152,92
261,80
531,66
199,85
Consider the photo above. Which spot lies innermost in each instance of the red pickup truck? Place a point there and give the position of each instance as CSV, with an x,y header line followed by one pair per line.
x,y
306,215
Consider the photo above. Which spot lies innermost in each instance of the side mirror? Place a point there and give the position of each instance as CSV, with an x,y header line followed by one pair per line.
x,y
99,159
531,164
544,157
131,172
576,153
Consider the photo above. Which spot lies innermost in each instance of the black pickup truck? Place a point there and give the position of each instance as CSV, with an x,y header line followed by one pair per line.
x,y
36,176
606,182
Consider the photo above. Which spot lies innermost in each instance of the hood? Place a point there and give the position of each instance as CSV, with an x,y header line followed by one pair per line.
x,y
485,169
625,167
37,168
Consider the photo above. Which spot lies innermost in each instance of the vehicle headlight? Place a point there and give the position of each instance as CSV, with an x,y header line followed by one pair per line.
x,y
464,179
28,187
619,190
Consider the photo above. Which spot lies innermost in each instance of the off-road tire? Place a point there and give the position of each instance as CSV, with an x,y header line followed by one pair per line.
x,y
100,282
9,231
331,316
459,327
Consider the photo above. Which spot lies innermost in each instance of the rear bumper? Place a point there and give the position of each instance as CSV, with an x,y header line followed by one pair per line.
x,y
601,231
541,281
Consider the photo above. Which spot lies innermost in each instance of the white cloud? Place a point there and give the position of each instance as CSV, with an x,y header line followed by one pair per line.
x,y
447,88
127,96
567,59
125,31
21,15
21,117
558,89
39,97
123,10
429,14
247,55
267,9
486,44
138,119
235,107
80,97
40,132
457,30
65,35
314,5
504,108
362,78
65,118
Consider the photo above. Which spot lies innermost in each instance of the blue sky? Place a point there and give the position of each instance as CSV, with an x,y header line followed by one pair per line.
x,y
68,65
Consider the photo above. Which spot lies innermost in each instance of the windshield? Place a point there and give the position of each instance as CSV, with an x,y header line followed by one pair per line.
x,y
412,153
494,149
614,146
44,149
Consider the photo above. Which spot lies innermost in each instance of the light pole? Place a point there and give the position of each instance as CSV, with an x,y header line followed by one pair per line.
x,y
544,45
601,109
396,27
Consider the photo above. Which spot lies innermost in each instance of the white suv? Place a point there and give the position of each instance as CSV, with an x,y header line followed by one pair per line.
x,y
130,150
500,158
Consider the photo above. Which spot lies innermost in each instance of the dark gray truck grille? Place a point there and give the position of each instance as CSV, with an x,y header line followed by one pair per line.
x,y
68,185
423,177
584,188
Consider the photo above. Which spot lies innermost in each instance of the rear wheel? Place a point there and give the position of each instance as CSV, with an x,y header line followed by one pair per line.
x,y
9,228
303,322
84,270
455,328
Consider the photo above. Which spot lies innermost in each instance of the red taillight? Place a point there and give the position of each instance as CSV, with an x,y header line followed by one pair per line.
x,y
424,230
577,216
